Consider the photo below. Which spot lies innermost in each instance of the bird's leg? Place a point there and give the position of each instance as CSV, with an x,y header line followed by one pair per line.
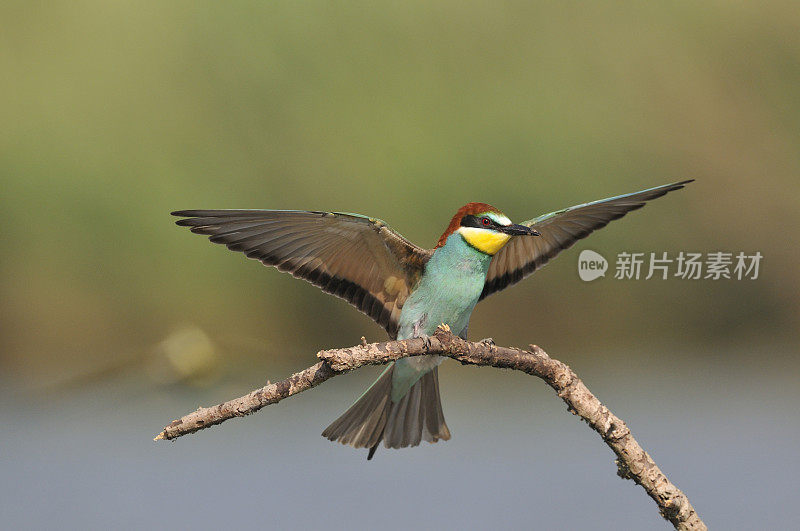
x,y
486,341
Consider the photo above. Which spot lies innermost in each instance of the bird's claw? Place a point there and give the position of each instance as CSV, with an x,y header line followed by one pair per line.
x,y
487,341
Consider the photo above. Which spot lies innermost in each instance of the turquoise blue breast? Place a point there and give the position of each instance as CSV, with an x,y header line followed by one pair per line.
x,y
447,293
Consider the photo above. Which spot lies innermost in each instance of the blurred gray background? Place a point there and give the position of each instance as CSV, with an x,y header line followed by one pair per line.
x,y
113,321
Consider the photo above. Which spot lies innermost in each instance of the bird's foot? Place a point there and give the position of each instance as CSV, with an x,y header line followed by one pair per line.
x,y
487,341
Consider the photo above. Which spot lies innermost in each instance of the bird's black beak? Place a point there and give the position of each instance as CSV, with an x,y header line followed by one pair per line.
x,y
519,230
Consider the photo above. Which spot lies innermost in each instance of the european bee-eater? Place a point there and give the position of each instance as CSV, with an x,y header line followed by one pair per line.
x,y
407,289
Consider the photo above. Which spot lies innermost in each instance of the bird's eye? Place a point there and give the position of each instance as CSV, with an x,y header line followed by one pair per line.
x,y
485,222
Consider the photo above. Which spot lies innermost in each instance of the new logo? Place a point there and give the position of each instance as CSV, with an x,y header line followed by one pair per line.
x,y
591,265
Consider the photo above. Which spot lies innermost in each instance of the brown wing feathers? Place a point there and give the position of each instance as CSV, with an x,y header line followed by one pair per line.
x,y
356,258
560,230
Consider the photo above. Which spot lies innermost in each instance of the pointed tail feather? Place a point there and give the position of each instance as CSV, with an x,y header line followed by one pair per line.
x,y
374,417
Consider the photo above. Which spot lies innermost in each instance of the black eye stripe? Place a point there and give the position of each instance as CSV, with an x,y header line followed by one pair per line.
x,y
475,221
470,221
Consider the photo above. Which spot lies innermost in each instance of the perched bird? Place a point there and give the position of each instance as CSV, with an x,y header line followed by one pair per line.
x,y
407,289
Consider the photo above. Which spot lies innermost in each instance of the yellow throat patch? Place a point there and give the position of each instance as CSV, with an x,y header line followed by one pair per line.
x,y
486,241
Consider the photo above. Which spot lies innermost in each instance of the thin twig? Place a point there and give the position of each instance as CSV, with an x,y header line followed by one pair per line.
x,y
632,461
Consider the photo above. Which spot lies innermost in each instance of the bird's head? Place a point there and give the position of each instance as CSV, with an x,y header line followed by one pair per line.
x,y
484,227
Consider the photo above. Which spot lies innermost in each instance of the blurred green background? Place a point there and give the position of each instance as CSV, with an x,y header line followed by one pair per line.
x,y
114,114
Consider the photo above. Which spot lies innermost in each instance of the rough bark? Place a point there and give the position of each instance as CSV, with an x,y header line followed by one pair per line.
x,y
632,461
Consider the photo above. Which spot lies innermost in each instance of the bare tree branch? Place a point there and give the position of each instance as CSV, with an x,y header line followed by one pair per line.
x,y
632,461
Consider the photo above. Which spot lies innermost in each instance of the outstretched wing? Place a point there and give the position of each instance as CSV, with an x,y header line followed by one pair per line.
x,y
357,258
560,230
